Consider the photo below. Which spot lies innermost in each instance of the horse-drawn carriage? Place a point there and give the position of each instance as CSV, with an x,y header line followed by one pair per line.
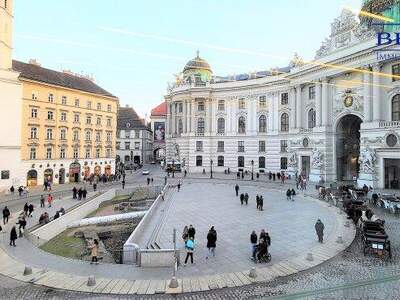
x,y
375,240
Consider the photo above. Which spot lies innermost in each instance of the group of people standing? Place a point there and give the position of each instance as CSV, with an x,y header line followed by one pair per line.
x,y
79,194
290,194
279,175
301,182
244,198
264,241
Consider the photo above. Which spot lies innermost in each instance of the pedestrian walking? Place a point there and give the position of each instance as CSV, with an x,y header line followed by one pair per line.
x,y
185,234
42,200
13,236
162,195
185,173
211,241
45,185
253,242
20,190
293,193
288,195
30,210
246,198
179,186
261,203
241,199
49,199
80,194
237,189
319,228
95,186
152,179
189,250
22,224
94,249
26,208
165,180
148,180
123,184
258,201
191,231
74,192
84,193
12,189
6,215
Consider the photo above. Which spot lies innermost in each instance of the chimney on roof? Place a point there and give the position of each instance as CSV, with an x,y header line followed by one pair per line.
x,y
34,61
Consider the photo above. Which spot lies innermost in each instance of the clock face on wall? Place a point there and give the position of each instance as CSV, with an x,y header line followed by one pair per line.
x,y
348,101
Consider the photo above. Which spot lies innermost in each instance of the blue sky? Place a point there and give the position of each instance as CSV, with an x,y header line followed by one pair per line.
x,y
136,61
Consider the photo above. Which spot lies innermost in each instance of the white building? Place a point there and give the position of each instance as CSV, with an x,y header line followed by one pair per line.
x,y
336,118
134,138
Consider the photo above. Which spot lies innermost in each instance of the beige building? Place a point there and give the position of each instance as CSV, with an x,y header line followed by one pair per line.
x,y
56,126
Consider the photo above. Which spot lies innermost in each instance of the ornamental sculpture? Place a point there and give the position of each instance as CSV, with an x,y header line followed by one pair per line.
x,y
293,160
317,159
367,160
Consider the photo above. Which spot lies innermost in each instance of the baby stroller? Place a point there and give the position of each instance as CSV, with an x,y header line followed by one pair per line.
x,y
262,254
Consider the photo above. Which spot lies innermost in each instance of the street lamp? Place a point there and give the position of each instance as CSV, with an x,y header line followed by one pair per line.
x,y
211,163
173,168
252,168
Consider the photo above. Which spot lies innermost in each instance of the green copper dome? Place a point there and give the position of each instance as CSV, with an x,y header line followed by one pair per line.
x,y
198,67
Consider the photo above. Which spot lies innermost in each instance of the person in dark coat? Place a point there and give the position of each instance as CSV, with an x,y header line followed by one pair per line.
x,y
80,194
74,191
258,201
41,201
179,186
13,236
241,199
211,241
191,231
6,214
26,208
123,184
95,186
237,190
246,198
30,209
273,176
253,241
319,228
22,224
84,193
261,203
148,180
12,189
20,190
293,193
288,195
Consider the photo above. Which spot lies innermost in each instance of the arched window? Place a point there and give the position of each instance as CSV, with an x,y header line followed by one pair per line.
x,y
200,126
396,108
242,125
284,122
180,126
311,118
261,162
34,134
262,124
221,125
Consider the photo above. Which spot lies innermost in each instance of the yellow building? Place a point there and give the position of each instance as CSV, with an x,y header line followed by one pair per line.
x,y
65,123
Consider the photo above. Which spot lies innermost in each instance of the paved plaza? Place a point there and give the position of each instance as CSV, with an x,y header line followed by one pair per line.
x,y
205,204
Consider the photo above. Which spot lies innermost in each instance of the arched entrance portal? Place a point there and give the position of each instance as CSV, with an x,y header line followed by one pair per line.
x,y
48,175
74,172
159,154
31,178
348,147
61,176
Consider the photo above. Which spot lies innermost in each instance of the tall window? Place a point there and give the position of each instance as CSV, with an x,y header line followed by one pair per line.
x,y
34,132
240,146
127,134
109,136
262,101
49,134
108,153
109,107
108,121
137,134
50,115
220,146
89,104
199,161
284,145
88,135
98,136
51,97
200,126
311,118
32,154
49,153
63,134
77,102
283,163
261,146
98,121
396,108
180,126
311,92
221,105
34,113
241,161
63,116
137,145
261,162
98,106
62,153
242,103
220,161
76,135
262,123
76,118
221,125
242,125
199,146
396,71
97,153
88,120
180,107
284,122
64,100
200,106
76,153
87,153
284,98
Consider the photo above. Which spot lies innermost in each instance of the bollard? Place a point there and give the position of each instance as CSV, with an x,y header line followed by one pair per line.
x,y
339,240
27,271
253,273
91,281
309,257
173,284
347,224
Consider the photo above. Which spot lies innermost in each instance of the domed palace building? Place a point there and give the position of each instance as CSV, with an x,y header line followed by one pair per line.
x,y
336,118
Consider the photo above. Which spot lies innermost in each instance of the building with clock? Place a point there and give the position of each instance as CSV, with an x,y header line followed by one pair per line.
x,y
335,118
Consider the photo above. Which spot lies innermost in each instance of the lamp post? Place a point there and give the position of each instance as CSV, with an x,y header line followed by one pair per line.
x,y
211,173
252,168
173,168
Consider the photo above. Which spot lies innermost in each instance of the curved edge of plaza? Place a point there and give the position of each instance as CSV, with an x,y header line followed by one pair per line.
x,y
343,235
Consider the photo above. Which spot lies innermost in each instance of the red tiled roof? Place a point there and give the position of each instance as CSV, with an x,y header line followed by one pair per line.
x,y
160,110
